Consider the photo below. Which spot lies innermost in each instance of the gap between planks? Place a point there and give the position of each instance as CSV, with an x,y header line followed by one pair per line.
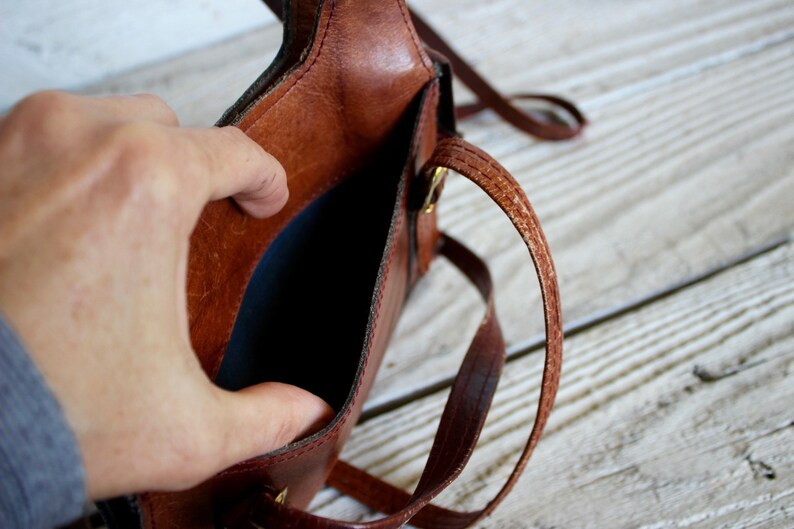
x,y
599,64
535,345
632,209
637,438
585,62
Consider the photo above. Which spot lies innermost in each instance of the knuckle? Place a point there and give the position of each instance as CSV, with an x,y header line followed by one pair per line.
x,y
145,155
152,98
240,140
47,103
138,138
162,107
163,168
43,114
234,133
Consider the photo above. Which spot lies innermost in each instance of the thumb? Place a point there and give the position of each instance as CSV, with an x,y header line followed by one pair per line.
x,y
267,416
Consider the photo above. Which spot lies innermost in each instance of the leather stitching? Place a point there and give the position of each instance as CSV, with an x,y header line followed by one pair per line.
x,y
255,464
382,493
305,72
502,188
454,412
426,61
528,230
505,191
386,273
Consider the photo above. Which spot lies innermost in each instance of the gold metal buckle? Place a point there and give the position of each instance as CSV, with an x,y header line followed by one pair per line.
x,y
439,174
278,497
281,497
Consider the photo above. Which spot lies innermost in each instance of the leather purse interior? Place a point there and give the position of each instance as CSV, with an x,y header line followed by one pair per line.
x,y
304,315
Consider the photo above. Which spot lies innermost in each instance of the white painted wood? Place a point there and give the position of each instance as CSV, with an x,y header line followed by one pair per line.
x,y
636,439
201,85
665,185
686,165
72,43
633,47
596,52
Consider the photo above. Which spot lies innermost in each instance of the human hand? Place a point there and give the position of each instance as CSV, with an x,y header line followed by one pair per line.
x,y
98,197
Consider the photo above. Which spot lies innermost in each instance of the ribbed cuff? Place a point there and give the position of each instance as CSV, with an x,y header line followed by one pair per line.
x,y
42,482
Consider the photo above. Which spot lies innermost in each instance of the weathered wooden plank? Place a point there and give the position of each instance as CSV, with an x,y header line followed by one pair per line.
x,y
201,85
519,45
685,167
675,415
661,188
600,51
69,44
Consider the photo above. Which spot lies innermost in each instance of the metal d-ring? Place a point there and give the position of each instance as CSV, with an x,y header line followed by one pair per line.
x,y
439,174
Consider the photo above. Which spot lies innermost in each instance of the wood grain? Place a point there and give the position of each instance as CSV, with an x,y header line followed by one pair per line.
x,y
201,85
666,184
518,45
686,165
676,415
71,44
598,52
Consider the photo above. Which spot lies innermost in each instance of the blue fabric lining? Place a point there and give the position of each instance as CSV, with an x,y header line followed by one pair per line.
x,y
304,315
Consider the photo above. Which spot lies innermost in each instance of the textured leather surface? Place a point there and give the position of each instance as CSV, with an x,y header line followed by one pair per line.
x,y
328,112
331,116
474,386
488,97
324,122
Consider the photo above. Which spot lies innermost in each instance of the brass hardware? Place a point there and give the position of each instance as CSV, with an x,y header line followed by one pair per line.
x,y
281,497
278,497
439,174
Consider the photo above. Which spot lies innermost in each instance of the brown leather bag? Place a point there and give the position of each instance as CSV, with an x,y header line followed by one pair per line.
x,y
359,111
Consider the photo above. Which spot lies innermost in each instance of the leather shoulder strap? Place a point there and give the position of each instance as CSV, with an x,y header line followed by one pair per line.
x,y
473,388
489,97
494,179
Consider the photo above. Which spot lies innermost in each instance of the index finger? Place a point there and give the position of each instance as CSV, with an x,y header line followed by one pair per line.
x,y
238,167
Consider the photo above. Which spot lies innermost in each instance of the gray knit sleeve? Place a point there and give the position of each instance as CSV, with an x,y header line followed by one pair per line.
x,y
42,483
